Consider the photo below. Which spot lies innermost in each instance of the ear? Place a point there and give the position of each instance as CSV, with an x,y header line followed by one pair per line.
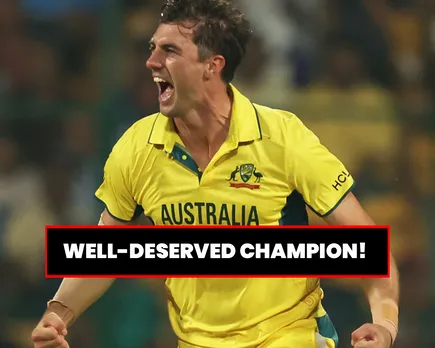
x,y
214,66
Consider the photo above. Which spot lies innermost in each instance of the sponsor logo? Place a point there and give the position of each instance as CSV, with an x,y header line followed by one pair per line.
x,y
341,179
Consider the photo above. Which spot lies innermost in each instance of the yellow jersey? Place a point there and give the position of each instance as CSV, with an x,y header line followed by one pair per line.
x,y
268,170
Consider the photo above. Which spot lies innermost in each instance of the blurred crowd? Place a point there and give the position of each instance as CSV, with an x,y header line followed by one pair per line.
x,y
359,73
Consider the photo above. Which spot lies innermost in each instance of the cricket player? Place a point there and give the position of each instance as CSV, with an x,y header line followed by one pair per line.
x,y
213,157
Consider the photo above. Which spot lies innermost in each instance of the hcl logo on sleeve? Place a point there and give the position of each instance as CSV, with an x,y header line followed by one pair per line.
x,y
341,179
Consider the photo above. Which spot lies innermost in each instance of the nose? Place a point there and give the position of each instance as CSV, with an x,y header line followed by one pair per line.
x,y
154,62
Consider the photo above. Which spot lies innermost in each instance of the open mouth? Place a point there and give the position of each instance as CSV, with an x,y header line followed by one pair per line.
x,y
166,89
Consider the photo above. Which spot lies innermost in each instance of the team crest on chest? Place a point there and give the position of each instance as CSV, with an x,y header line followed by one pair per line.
x,y
248,175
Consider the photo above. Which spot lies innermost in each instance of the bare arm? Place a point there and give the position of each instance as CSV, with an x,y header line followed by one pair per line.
x,y
75,295
382,293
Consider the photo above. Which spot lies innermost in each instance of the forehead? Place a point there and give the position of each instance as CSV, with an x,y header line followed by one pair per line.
x,y
173,32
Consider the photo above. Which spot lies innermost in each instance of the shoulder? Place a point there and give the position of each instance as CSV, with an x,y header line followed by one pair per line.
x,y
135,138
283,126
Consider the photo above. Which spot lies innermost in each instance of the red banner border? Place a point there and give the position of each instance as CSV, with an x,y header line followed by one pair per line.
x,y
145,276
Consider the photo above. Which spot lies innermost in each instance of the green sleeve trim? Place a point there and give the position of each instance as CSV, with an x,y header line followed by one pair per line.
x,y
138,211
115,217
336,205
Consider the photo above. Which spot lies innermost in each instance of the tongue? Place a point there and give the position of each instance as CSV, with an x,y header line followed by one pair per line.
x,y
167,93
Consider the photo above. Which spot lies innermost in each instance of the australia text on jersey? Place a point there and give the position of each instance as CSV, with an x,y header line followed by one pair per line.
x,y
192,213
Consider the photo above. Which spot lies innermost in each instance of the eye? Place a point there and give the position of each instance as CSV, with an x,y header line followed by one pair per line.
x,y
169,50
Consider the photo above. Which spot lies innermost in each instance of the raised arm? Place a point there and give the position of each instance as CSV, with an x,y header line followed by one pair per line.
x,y
73,298
382,293
75,295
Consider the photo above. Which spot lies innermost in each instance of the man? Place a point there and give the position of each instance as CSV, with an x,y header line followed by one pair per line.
x,y
174,167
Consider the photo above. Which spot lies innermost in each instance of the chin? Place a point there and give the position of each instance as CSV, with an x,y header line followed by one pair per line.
x,y
170,114
167,111
170,111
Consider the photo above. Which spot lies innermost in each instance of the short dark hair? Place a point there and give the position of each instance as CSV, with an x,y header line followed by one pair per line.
x,y
220,28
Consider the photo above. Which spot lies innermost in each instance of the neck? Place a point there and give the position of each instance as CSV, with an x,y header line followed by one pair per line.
x,y
207,123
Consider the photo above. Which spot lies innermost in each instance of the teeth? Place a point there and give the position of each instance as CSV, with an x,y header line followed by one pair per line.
x,y
158,79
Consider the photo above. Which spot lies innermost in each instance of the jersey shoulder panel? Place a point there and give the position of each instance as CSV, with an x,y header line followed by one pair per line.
x,y
277,124
135,138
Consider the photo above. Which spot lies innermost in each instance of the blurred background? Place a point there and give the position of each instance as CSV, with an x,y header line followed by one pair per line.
x,y
359,73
